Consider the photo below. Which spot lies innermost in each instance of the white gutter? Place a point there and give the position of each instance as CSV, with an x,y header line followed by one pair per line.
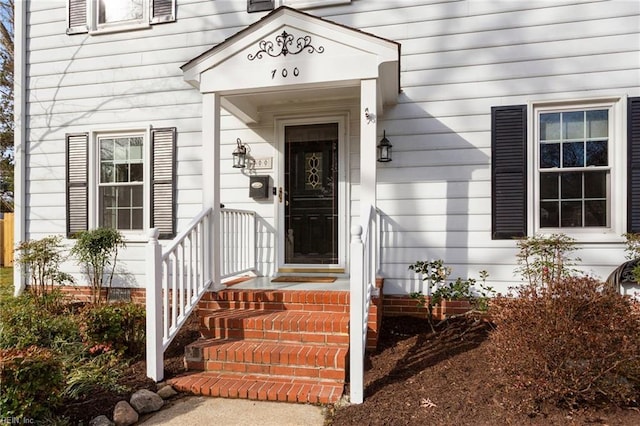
x,y
19,141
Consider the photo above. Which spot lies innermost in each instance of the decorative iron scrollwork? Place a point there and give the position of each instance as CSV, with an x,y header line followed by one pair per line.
x,y
285,42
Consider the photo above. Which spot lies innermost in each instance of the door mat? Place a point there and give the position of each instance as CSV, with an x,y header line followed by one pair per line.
x,y
299,279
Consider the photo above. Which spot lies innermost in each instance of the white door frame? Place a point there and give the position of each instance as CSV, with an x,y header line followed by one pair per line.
x,y
343,190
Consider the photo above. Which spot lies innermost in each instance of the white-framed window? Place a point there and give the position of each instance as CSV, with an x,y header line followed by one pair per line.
x,y
100,16
578,151
121,182
123,179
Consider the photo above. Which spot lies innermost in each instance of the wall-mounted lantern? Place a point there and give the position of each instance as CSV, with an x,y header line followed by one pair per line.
x,y
240,155
384,149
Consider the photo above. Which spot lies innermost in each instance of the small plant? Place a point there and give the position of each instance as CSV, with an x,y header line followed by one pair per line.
x,y
31,380
435,273
118,327
545,259
97,251
41,259
633,252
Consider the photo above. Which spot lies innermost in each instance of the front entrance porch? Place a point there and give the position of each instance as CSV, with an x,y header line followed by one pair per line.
x,y
273,341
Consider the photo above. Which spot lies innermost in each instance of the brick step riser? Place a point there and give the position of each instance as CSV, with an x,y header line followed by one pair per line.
x,y
332,324
275,336
296,297
257,388
213,305
317,373
291,356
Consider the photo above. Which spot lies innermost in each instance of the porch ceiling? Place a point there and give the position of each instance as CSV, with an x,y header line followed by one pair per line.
x,y
289,57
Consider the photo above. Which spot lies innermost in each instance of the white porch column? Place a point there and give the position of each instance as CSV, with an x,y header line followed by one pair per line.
x,y
368,142
211,176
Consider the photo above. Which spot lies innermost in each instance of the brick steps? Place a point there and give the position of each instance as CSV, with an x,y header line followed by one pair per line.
x,y
263,357
281,326
259,387
274,345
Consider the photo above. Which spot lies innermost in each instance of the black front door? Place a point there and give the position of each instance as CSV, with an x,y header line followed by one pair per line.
x,y
311,194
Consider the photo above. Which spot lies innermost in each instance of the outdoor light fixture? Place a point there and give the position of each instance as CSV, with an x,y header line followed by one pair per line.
x,y
240,155
384,149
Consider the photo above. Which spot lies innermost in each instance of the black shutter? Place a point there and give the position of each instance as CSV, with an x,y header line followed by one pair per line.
x,y
633,165
259,5
77,189
77,17
163,11
509,172
162,184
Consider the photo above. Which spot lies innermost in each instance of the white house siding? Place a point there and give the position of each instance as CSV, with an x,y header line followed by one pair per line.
x,y
459,59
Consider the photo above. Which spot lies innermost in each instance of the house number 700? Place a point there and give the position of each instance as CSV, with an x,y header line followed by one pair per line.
x,y
285,72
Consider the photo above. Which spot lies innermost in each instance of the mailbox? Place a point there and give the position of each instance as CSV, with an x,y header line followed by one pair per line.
x,y
259,187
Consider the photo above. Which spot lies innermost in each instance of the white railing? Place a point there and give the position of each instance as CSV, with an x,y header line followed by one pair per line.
x,y
177,278
180,275
364,267
237,242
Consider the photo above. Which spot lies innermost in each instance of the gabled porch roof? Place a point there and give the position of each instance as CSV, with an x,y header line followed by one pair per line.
x,y
290,56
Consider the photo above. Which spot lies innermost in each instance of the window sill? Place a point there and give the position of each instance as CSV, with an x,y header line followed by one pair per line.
x,y
116,28
586,235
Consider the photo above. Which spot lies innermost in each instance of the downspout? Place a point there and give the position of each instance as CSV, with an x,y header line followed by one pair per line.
x,y
19,135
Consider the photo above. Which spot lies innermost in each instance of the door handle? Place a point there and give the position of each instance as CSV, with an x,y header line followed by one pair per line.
x,y
280,194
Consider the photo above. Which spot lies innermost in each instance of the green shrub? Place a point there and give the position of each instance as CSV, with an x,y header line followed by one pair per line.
x,y
97,251
569,343
92,375
115,326
24,322
435,274
41,259
31,382
546,258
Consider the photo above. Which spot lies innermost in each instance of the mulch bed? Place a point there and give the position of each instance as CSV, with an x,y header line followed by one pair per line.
x,y
416,377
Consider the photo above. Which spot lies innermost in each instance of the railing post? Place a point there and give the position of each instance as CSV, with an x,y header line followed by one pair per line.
x,y
155,352
356,315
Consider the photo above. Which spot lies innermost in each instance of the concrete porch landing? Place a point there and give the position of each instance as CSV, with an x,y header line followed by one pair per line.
x,y
273,342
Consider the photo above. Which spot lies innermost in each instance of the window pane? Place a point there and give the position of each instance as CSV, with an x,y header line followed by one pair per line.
x,y
550,127
136,149
122,173
106,173
597,124
124,196
136,219
573,125
108,196
119,10
570,185
549,155
595,213
597,154
573,154
136,172
137,196
549,214
595,185
549,186
124,219
121,149
571,214
106,149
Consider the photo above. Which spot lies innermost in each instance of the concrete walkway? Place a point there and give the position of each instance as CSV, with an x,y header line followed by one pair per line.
x,y
199,410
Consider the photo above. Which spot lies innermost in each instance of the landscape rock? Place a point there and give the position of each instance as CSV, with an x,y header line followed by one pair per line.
x,y
124,414
101,421
166,392
145,401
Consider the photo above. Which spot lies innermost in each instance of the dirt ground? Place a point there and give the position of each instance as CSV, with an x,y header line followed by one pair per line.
x,y
416,377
